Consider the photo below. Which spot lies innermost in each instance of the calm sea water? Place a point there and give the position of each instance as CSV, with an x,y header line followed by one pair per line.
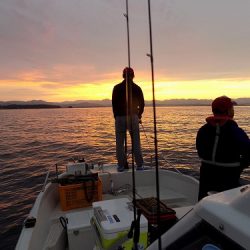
x,y
32,141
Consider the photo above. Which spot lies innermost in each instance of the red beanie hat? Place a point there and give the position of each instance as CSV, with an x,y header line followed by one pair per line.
x,y
128,71
222,104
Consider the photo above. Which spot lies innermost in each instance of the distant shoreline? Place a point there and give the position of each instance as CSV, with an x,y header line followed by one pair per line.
x,y
40,104
98,106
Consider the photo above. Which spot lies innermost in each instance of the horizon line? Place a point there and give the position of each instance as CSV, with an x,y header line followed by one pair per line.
x,y
105,99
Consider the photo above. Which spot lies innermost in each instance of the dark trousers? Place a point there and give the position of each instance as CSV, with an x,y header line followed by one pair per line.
x,y
217,178
120,131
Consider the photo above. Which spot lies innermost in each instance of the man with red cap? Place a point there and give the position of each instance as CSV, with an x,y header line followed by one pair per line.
x,y
223,147
128,106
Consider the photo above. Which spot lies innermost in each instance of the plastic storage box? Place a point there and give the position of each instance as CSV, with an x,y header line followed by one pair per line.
x,y
78,168
80,235
80,195
111,223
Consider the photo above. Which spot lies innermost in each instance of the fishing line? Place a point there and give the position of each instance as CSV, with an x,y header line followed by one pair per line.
x,y
161,155
145,133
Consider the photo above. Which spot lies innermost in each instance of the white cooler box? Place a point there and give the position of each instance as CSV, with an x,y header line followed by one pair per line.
x,y
80,233
112,221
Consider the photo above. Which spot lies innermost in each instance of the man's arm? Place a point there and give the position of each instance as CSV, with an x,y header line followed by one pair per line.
x,y
141,104
114,101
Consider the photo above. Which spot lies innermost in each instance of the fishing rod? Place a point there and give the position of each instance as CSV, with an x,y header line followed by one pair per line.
x,y
128,38
155,128
128,42
135,227
129,103
127,89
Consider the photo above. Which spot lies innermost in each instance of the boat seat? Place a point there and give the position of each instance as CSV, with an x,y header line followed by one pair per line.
x,y
56,237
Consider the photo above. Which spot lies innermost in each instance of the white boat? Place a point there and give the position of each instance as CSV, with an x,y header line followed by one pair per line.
x,y
219,221
44,230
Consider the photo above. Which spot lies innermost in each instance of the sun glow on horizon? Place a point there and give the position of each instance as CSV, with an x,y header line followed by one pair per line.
x,y
197,89
164,89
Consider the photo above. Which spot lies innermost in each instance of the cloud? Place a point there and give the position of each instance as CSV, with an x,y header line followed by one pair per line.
x,y
81,42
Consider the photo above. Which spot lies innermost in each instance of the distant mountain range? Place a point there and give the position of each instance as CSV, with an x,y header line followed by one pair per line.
x,y
107,103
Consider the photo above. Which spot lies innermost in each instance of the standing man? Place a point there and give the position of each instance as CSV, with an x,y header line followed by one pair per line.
x,y
128,106
224,149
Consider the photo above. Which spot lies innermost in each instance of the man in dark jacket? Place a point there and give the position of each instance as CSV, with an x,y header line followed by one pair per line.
x,y
224,149
128,106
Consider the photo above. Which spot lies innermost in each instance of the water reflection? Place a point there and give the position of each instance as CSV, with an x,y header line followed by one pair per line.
x,y
32,141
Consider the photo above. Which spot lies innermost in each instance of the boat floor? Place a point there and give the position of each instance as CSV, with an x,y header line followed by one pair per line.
x,y
82,215
177,202
170,198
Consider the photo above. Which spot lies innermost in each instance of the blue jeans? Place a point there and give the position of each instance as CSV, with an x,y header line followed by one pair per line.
x,y
120,132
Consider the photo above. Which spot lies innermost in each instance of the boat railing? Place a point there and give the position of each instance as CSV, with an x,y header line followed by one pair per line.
x,y
46,180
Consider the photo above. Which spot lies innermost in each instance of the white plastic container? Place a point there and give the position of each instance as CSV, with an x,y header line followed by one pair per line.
x,y
112,221
80,235
77,168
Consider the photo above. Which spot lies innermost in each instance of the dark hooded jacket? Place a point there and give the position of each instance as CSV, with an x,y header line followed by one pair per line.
x,y
119,101
233,143
224,160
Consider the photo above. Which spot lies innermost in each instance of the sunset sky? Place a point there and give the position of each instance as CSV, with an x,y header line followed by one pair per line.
x,y
58,50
